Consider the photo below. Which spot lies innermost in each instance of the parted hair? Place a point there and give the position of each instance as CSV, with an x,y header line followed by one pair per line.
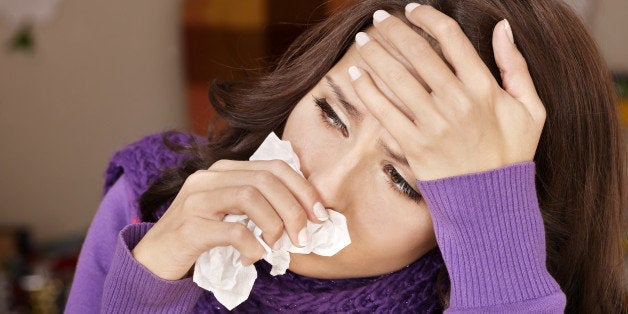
x,y
579,159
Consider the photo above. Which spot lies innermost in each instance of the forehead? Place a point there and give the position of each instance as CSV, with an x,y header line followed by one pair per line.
x,y
352,57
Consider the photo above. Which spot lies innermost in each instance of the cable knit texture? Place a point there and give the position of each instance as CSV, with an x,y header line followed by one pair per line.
x,y
480,221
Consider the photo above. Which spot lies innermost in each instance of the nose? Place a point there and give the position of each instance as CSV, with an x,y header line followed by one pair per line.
x,y
335,177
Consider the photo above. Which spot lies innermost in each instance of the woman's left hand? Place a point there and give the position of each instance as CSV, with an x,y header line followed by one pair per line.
x,y
466,122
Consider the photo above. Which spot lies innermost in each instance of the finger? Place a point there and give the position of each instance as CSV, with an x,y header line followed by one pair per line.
x,y
455,45
256,186
215,204
398,79
300,187
388,115
207,234
418,51
516,79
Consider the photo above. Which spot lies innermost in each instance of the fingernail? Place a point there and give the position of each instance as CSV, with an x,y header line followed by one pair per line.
x,y
354,73
509,31
362,38
319,210
303,237
411,6
380,15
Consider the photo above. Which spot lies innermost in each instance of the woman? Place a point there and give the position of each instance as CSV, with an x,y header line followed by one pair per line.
x,y
371,103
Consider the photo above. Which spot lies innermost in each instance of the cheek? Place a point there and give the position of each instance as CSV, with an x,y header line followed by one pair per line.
x,y
393,228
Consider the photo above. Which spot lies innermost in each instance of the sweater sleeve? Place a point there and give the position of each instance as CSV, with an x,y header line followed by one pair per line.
x,y
131,288
106,264
115,212
490,231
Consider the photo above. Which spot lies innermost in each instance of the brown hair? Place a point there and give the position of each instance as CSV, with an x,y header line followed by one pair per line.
x,y
579,159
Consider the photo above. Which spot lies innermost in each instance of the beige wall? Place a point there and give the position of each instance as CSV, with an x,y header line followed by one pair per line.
x,y
609,26
104,73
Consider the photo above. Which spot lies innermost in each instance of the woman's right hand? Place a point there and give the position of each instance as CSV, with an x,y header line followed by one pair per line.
x,y
270,193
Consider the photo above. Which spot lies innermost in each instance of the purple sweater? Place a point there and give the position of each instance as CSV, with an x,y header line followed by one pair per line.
x,y
488,227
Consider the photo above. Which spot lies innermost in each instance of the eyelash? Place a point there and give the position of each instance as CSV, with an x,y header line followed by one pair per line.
x,y
327,114
399,184
396,181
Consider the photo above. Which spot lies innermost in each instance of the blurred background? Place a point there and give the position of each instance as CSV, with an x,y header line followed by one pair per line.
x,y
79,79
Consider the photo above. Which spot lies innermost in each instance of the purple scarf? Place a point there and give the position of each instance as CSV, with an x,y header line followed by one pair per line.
x,y
410,289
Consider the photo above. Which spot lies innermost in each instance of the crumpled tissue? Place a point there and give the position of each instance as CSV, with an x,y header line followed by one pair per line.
x,y
219,270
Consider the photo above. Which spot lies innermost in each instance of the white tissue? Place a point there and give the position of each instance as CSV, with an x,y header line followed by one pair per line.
x,y
219,270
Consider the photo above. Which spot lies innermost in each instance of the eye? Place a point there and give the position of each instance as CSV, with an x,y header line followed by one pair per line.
x,y
399,184
329,116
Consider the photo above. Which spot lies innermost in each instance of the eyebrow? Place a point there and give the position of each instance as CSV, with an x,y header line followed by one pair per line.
x,y
398,158
340,96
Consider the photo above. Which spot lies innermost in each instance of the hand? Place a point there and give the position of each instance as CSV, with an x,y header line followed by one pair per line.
x,y
467,123
270,193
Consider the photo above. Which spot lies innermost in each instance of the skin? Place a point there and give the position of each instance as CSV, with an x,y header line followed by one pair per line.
x,y
443,124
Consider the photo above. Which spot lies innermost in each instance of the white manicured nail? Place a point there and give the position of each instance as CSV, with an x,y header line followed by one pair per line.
x,y
303,237
362,38
380,15
509,31
354,73
411,6
319,210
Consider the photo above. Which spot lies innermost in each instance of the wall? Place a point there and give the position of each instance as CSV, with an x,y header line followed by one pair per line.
x,y
609,25
103,74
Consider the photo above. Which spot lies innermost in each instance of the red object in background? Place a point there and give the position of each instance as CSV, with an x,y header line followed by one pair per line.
x,y
221,39
200,111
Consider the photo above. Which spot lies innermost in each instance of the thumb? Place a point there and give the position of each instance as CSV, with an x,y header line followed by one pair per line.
x,y
516,78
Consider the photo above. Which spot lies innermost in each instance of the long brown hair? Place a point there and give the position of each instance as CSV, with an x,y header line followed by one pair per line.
x,y
579,159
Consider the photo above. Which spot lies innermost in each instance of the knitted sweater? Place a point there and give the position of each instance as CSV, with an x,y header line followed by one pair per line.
x,y
488,227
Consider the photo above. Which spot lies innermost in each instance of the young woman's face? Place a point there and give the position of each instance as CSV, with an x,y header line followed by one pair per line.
x,y
357,167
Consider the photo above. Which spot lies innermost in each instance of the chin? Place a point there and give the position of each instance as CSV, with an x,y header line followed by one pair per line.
x,y
334,267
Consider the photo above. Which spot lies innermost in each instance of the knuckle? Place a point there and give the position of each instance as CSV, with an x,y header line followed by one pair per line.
x,y
520,65
448,27
189,203
380,111
418,46
396,75
485,85
220,164
296,214
464,111
265,177
446,85
279,165
196,177
275,230
237,231
253,255
438,131
462,114
247,194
